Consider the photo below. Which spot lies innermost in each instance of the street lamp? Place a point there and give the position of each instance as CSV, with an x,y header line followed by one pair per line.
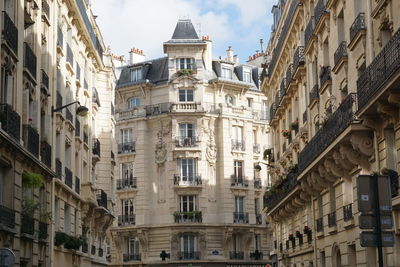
x,y
258,168
80,111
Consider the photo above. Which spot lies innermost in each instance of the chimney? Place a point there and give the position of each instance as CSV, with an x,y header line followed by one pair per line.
x,y
262,46
229,54
236,59
136,56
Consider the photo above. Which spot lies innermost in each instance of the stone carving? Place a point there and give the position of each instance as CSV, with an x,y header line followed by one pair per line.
x,y
211,150
161,146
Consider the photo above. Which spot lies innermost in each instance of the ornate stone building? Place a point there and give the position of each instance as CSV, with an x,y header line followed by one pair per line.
x,y
332,83
189,130
56,91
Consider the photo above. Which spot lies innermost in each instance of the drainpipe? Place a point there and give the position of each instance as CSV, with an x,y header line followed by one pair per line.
x,y
370,33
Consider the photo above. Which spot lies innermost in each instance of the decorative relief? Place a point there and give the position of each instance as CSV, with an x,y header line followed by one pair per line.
x,y
211,156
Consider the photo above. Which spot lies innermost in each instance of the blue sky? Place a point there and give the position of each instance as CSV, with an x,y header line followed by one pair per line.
x,y
146,24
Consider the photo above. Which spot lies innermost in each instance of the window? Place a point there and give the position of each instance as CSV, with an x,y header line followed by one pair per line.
x,y
126,171
133,102
187,203
229,100
67,218
56,214
188,246
127,207
239,204
247,76
250,102
7,81
186,95
186,134
133,248
257,242
126,135
226,73
235,243
238,166
256,206
237,133
185,63
136,74
187,169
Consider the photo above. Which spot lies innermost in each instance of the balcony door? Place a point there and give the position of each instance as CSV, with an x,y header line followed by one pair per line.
x,y
187,203
239,204
187,169
126,135
128,209
186,133
238,168
133,247
236,243
188,246
127,171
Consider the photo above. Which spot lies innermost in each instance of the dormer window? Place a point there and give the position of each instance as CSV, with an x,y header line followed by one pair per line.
x,y
185,63
136,74
133,102
226,73
247,76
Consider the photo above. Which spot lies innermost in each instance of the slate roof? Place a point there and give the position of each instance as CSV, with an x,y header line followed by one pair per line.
x,y
185,30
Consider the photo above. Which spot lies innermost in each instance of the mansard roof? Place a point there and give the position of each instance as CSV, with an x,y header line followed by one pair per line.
x,y
185,30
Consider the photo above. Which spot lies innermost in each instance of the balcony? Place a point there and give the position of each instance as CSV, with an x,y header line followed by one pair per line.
x,y
185,107
385,65
44,81
256,255
30,60
132,257
127,183
58,168
68,177
236,255
68,115
279,191
186,141
320,224
126,220
257,183
358,26
304,116
282,90
347,212
27,225
340,54
43,231
95,97
10,121
309,32
289,72
85,137
127,147
258,218
324,76
333,127
102,198
241,181
46,9
70,56
77,185
77,127
96,147
188,217
45,153
256,149
240,217
191,180
332,219
7,217
298,59
314,95
60,38
320,10
10,33
193,255
238,145
31,138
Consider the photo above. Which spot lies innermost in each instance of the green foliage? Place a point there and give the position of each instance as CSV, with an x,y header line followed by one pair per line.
x,y
60,238
45,216
185,72
31,180
29,206
69,242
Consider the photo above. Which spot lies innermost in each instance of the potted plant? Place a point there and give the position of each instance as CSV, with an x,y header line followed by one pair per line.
x,y
298,234
286,133
291,237
31,180
60,238
306,229
185,72
295,125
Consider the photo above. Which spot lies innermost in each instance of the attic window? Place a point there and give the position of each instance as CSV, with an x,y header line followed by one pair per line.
x,y
247,76
184,63
226,73
136,74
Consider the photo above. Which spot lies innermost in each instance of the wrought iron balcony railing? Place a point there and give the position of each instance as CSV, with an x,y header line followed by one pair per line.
x,y
348,212
282,90
237,180
357,26
187,180
45,153
68,177
309,32
236,255
102,198
132,257
289,72
186,141
43,230
10,121
314,95
385,65
58,168
126,219
188,217
96,147
7,217
325,75
298,58
279,191
238,145
240,217
127,147
30,60
189,255
320,10
10,32
320,224
305,116
77,185
257,183
27,225
334,126
31,137
332,219
125,183
256,255
340,53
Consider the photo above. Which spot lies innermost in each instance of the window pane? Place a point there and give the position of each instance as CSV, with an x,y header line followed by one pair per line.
x,y
182,95
189,95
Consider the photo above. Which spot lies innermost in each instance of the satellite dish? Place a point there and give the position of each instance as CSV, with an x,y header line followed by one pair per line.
x,y
7,257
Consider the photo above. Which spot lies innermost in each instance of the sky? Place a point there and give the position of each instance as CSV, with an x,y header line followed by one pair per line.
x,y
146,24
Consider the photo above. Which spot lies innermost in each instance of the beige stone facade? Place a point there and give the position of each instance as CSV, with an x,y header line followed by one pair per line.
x,y
51,56
331,80
189,132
